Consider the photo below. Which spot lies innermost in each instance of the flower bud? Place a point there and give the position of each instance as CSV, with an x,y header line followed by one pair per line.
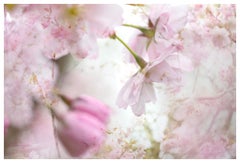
x,y
84,125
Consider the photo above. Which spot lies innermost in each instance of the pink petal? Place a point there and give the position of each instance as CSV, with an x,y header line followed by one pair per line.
x,y
130,92
163,72
100,21
87,46
178,18
80,132
163,18
91,106
147,94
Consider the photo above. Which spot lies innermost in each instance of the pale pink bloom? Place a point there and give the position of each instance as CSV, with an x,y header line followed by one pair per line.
x,y
166,64
150,49
87,46
84,125
138,90
135,93
161,48
102,18
169,20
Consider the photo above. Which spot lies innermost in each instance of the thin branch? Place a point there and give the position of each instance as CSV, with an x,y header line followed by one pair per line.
x,y
55,133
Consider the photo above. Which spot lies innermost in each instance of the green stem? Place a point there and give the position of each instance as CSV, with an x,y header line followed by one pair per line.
x,y
148,32
138,59
134,26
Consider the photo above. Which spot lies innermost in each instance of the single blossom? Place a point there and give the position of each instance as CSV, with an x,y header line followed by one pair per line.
x,y
83,126
168,20
139,90
135,93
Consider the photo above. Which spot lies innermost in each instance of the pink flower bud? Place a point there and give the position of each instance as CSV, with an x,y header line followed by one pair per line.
x,y
84,125
91,106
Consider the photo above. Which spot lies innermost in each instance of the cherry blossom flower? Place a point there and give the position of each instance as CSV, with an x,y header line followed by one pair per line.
x,y
168,20
165,65
162,33
83,127
135,93
138,90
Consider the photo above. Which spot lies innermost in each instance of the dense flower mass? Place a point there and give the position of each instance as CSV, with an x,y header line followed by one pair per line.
x,y
62,29
120,81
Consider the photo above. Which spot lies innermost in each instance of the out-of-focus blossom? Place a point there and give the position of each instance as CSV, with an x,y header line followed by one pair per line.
x,y
83,127
213,148
220,37
100,21
65,29
209,138
28,74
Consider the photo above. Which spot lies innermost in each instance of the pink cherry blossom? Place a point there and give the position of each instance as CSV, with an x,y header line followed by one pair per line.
x,y
169,20
100,22
166,64
138,90
83,127
135,93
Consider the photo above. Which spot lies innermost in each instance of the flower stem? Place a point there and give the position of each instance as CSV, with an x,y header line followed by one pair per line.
x,y
55,133
140,61
134,26
54,116
148,32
